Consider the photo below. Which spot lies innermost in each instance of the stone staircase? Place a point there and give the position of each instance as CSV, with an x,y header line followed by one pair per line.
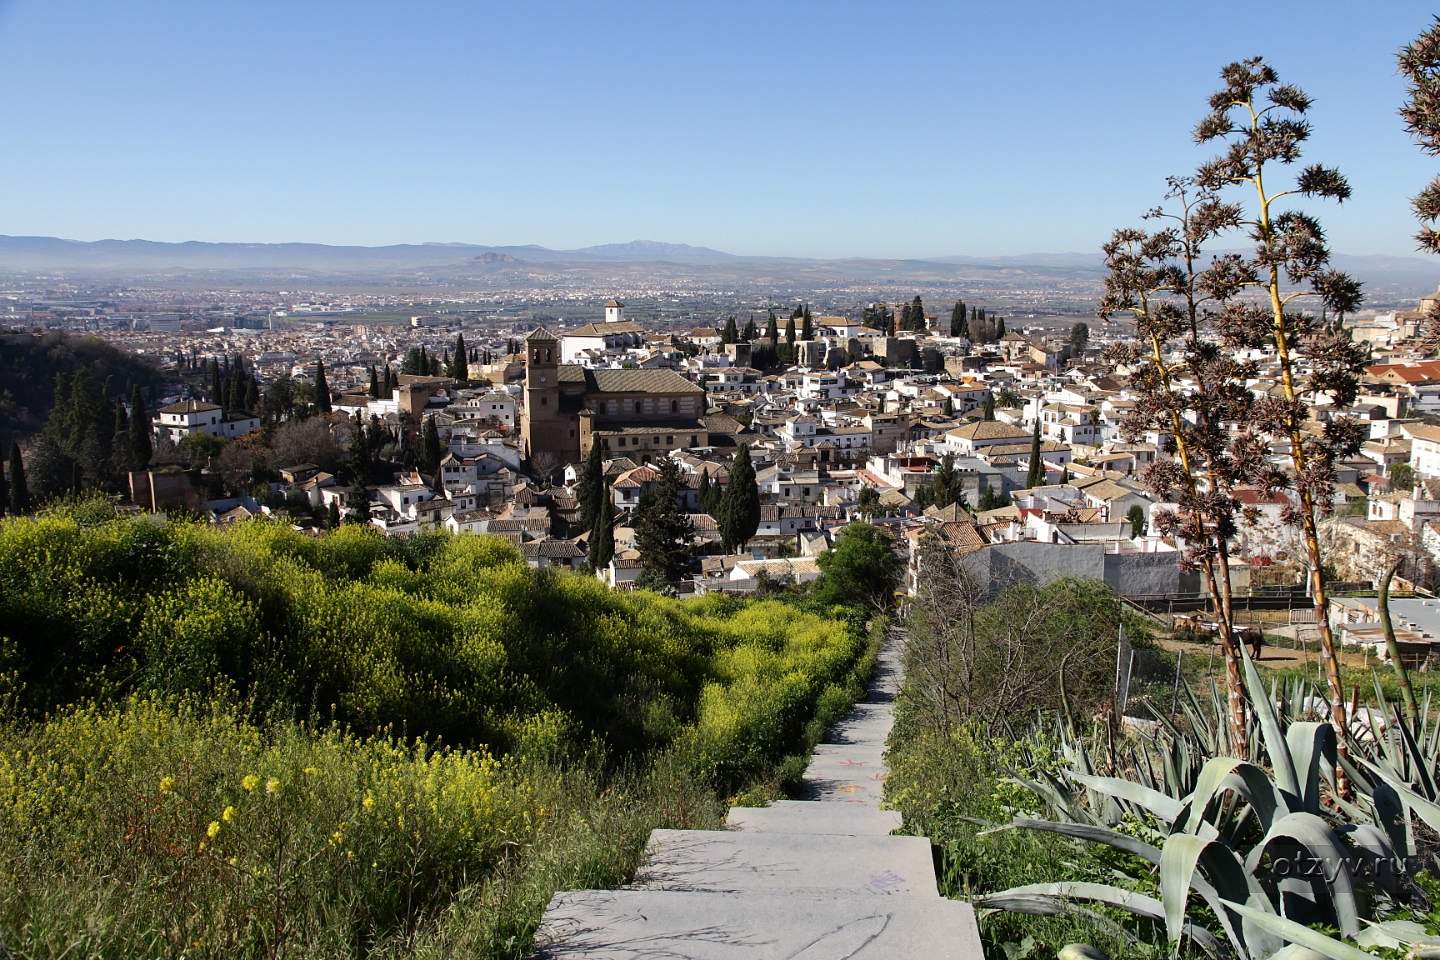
x,y
813,879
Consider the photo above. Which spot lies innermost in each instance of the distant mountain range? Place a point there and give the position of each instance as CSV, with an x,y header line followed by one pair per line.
x,y
1389,276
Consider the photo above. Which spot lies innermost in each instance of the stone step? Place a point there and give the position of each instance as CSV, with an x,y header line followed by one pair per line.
x,y
870,753
865,723
844,779
646,925
807,816
792,863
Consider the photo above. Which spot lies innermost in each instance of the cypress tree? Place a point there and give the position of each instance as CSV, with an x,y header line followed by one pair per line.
x,y
987,409
591,486
702,491
1000,328
4,494
1036,476
790,331
975,328
460,360
120,446
141,449
917,315
374,383
751,332
322,389
807,327
431,451
602,534
772,332
740,504
732,333
19,490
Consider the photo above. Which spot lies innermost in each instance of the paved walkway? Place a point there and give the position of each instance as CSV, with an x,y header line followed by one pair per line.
x,y
813,879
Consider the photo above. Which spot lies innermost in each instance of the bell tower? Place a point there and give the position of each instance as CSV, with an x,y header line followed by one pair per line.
x,y
543,426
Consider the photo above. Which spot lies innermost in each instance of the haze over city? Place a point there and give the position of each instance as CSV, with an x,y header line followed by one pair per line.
x,y
910,130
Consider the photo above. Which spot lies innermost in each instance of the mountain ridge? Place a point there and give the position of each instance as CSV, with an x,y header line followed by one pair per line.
x,y
1409,276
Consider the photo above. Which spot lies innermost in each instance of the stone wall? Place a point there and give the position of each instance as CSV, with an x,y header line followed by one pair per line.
x,y
1008,564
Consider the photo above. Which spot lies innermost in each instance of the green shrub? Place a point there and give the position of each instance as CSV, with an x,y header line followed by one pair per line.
x,y
316,813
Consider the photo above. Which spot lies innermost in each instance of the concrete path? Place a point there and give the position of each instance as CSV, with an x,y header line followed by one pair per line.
x,y
814,879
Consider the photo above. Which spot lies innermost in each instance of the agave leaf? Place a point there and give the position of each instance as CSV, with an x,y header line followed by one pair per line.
x,y
1426,810
1128,900
1298,933
1047,792
1296,952
1158,804
1311,744
1275,746
1246,779
1181,856
1085,831
1418,761
1392,817
1037,906
1395,933
1318,837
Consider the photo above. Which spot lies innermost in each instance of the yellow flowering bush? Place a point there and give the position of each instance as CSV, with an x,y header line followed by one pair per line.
x,y
350,743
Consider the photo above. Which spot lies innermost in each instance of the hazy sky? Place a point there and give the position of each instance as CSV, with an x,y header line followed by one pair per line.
x,y
824,129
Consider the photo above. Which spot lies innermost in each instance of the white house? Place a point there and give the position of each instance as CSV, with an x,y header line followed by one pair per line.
x,y
180,420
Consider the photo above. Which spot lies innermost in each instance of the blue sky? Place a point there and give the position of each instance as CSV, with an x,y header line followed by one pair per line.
x,y
807,129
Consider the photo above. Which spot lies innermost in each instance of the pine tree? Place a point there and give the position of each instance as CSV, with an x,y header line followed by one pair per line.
x,y
1036,476
662,530
459,361
740,505
602,534
141,448
19,490
1079,339
322,389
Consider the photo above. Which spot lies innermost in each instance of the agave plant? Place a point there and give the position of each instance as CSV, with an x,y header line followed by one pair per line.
x,y
1255,846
